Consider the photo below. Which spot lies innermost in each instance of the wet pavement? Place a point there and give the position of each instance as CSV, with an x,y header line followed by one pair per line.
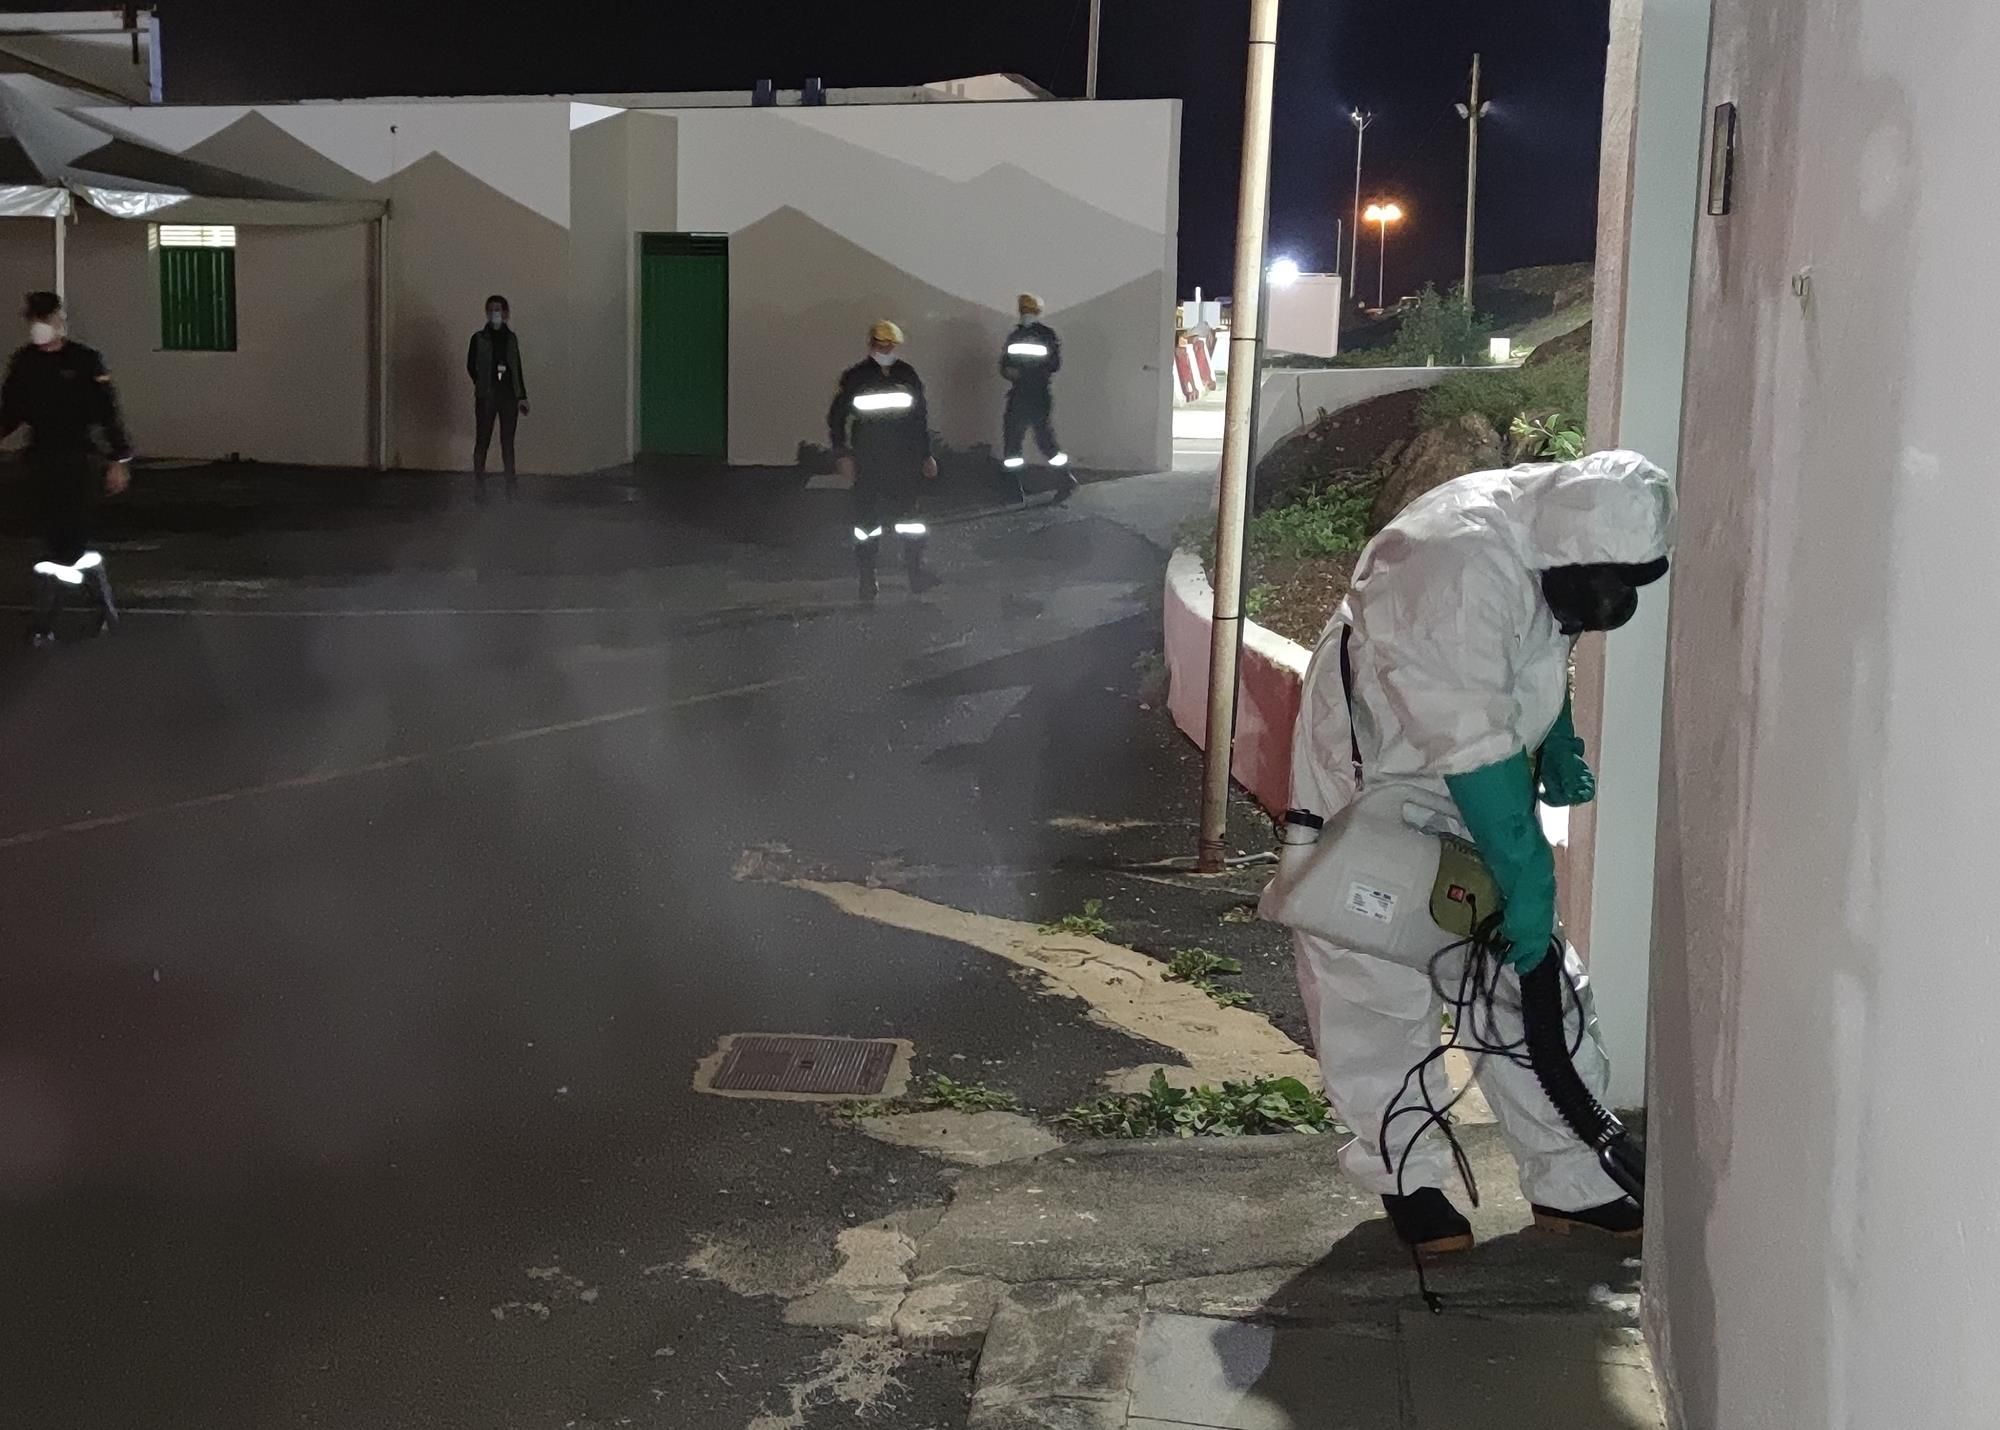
x,y
370,896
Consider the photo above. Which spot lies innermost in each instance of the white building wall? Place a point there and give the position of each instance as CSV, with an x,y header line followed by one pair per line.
x,y
480,198
936,214
1824,1238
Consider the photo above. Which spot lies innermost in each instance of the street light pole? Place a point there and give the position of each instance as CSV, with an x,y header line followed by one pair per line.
x,y
1383,215
1232,508
1090,70
1474,110
1382,267
1360,119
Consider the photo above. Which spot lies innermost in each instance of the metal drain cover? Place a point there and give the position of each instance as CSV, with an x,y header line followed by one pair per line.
x,y
791,1065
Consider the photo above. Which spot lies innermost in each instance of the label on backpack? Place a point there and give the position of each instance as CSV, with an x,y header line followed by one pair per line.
x,y
1371,903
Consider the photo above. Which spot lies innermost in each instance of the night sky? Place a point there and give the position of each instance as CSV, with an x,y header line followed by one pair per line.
x,y
1407,59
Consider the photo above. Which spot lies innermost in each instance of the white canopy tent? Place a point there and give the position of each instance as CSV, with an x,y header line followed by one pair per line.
x,y
50,159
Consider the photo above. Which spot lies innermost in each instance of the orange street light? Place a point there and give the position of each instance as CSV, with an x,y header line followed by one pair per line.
x,y
1382,215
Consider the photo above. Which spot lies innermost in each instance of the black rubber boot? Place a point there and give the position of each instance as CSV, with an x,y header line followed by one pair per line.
x,y
1067,489
1427,1221
1622,1219
99,583
921,579
864,562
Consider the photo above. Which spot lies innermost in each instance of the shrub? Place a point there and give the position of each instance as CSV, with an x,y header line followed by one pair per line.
x,y
1554,437
1439,328
1505,393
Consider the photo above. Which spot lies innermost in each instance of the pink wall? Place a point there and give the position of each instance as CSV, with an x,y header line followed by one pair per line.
x,y
1824,1238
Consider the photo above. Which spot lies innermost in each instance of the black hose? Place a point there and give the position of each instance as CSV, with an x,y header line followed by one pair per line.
x,y
1623,1160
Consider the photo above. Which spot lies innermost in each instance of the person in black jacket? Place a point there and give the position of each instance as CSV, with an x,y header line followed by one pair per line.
x,y
1032,358
880,430
499,390
60,391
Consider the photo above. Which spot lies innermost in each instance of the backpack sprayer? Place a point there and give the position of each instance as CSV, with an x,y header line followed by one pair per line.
x,y
1393,876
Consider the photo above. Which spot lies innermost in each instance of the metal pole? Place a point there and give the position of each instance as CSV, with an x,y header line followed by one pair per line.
x,y
1471,174
1246,339
62,253
1382,268
1361,122
382,342
1090,72
1339,241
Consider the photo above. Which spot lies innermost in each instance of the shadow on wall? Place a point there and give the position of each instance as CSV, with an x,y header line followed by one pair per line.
x,y
454,239
816,292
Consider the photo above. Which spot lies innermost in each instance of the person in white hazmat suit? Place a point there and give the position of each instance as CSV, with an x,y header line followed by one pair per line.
x,y
1458,632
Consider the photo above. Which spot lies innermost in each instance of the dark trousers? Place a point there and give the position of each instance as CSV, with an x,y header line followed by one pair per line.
x,y
66,488
484,413
65,491
1026,412
881,505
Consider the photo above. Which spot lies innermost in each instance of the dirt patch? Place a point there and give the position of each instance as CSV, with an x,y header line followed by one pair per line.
x,y
1354,439
1296,598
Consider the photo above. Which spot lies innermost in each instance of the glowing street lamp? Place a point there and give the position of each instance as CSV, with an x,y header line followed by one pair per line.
x,y
1382,215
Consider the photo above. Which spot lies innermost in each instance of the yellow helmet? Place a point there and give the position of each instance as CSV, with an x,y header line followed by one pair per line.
x,y
885,331
1028,304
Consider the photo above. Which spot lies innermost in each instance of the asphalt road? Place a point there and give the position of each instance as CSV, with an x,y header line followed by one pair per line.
x,y
368,900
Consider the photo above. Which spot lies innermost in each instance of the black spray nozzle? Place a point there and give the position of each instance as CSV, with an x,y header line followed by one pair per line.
x,y
1548,1053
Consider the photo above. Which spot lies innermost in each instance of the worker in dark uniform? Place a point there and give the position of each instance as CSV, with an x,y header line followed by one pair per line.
x,y
880,428
1032,359
60,391
499,391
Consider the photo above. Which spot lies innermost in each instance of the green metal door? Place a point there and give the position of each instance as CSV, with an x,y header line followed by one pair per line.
x,y
684,344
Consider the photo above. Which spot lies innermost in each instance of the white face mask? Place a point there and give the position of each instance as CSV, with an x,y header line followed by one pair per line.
x,y
41,334
496,319
884,359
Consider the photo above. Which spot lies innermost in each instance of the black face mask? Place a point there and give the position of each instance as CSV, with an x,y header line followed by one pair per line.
x,y
1600,596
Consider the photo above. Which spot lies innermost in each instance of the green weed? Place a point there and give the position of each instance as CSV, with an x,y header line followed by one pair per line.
x,y
936,1093
1088,924
1236,1109
1199,968
1554,437
1326,522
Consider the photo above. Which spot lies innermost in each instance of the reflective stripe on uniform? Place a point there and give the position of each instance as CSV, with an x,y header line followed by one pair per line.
x,y
862,534
70,575
911,528
1015,462
1060,459
884,402
1027,350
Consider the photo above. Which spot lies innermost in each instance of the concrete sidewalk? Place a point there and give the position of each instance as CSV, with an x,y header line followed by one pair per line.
x,y
1241,1285
1247,1286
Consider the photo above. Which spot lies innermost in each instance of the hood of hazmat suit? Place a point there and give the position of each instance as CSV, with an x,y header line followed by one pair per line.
x,y
1458,663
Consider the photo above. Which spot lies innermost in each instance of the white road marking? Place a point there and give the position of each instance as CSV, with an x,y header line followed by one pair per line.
x,y
393,762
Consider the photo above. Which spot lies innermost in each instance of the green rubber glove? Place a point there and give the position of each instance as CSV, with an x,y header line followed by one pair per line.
x,y
1566,776
1498,804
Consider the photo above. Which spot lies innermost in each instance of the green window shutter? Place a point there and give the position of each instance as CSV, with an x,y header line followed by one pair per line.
x,y
198,299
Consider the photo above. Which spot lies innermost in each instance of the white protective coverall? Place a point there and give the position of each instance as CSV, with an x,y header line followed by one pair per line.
x,y
1457,664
